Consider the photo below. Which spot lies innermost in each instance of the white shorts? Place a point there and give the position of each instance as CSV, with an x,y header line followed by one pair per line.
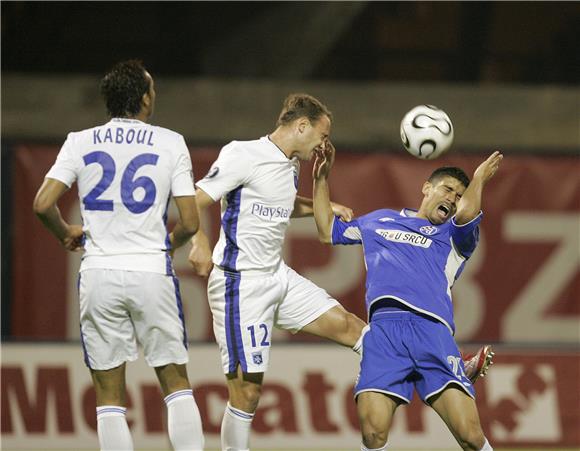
x,y
122,308
245,307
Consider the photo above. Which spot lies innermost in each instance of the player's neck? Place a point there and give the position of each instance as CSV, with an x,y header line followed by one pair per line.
x,y
282,139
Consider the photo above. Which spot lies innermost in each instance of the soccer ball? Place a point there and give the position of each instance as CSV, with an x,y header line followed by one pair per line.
x,y
426,132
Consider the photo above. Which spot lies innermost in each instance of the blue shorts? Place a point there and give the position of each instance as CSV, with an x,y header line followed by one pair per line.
x,y
403,350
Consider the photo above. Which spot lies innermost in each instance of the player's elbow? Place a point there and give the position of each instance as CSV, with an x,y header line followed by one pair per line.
x,y
41,206
464,216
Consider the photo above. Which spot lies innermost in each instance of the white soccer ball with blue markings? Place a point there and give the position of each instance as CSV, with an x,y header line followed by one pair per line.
x,y
426,132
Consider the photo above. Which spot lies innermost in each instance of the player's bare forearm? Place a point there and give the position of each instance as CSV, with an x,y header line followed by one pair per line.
x,y
470,204
53,221
179,236
303,207
200,255
46,209
188,223
323,214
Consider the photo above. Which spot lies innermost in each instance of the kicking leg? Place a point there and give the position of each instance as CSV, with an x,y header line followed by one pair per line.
x,y
338,325
244,393
459,412
112,428
183,418
375,413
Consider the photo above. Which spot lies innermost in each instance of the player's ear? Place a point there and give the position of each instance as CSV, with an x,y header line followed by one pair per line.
x,y
146,100
301,124
426,188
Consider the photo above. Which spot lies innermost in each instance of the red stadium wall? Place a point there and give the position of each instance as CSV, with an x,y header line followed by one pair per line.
x,y
521,285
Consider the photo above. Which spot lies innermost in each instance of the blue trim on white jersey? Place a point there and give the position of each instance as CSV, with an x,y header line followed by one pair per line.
x,y
230,228
180,308
168,262
85,353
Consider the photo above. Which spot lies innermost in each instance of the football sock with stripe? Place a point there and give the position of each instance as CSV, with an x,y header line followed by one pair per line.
x,y
184,421
236,427
112,429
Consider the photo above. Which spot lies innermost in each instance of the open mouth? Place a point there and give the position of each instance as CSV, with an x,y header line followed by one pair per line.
x,y
443,211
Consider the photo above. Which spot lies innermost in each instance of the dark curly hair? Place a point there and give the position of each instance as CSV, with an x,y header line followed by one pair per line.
x,y
123,87
450,171
302,105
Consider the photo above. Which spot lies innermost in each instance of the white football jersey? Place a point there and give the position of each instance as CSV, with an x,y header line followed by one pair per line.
x,y
257,184
126,171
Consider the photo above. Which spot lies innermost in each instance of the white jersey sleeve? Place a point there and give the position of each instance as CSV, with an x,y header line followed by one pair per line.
x,y
232,168
67,165
182,183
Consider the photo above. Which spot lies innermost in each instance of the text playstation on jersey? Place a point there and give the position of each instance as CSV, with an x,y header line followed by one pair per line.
x,y
123,136
264,211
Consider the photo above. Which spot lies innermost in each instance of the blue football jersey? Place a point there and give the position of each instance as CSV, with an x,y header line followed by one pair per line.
x,y
410,259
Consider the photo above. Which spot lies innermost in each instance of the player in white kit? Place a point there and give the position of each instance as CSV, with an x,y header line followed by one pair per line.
x,y
250,289
127,171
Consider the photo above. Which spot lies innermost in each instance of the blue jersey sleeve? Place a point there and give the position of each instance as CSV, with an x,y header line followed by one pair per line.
x,y
466,236
346,232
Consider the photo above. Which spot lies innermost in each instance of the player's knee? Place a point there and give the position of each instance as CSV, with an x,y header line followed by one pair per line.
x,y
354,326
246,397
374,433
374,438
471,437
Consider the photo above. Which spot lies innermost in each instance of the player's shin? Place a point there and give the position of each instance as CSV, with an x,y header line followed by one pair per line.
x,y
184,421
235,433
112,429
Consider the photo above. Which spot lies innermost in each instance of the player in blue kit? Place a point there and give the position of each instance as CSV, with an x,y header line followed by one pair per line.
x,y
413,259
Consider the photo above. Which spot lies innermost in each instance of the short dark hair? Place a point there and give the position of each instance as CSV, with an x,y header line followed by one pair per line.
x,y
450,171
302,105
123,88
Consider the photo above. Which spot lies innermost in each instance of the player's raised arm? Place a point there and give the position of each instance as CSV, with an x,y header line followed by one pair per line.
x,y
323,214
47,211
469,205
200,254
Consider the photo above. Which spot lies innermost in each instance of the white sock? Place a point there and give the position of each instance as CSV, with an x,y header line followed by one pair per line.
x,y
112,429
486,446
364,448
184,421
236,429
358,346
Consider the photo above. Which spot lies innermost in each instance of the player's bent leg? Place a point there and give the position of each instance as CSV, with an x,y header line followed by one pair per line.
x,y
459,412
244,391
375,413
338,325
112,428
183,418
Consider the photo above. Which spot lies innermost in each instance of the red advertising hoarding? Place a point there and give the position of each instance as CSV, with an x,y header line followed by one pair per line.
x,y
521,285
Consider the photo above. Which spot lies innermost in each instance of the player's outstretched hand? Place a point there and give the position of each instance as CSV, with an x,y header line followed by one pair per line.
x,y
344,213
488,168
73,241
200,255
323,161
